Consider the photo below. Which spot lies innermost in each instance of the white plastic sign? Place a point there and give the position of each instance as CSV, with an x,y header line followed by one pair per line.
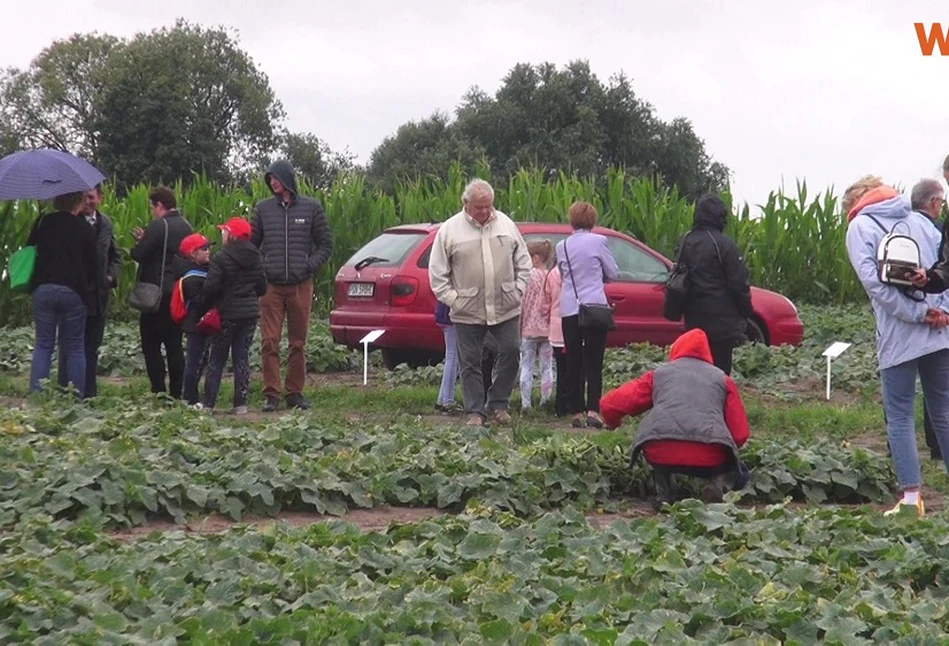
x,y
366,340
835,350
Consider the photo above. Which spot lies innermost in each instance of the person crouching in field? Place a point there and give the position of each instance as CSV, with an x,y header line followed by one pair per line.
x,y
235,282
911,338
696,421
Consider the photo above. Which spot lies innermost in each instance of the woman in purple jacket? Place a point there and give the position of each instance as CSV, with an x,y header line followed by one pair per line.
x,y
586,264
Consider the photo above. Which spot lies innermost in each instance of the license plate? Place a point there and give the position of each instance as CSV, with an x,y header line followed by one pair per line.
x,y
361,289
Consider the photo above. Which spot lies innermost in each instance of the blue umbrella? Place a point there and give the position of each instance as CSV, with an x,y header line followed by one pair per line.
x,y
43,174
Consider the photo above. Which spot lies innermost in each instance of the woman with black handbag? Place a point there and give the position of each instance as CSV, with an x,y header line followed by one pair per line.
x,y
718,297
586,264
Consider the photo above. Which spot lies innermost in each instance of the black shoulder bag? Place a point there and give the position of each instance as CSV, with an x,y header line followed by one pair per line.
x,y
677,285
597,317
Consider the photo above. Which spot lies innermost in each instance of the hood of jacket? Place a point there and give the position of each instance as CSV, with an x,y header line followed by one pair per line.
x,y
691,345
871,197
710,213
283,171
244,254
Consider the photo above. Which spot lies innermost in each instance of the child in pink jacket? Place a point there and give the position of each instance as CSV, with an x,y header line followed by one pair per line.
x,y
535,328
551,309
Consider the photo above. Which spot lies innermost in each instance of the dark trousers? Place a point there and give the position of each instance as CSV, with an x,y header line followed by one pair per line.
x,y
158,330
722,355
585,348
560,395
92,341
235,338
196,359
471,358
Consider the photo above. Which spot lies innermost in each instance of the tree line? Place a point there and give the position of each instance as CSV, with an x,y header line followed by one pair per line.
x,y
184,100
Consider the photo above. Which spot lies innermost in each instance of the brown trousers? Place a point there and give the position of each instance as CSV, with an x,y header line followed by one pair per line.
x,y
290,302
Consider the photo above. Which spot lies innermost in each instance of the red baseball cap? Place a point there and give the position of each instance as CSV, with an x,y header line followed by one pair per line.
x,y
192,243
236,227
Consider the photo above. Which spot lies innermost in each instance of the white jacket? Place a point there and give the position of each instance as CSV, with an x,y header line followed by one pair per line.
x,y
480,272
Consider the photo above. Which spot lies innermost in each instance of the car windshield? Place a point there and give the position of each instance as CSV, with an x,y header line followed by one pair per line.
x,y
387,250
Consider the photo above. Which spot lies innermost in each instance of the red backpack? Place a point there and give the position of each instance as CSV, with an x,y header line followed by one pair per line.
x,y
210,323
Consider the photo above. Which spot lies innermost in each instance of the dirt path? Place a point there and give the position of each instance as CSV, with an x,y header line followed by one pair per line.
x,y
367,520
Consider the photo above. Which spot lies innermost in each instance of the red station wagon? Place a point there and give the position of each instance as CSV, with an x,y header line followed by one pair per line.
x,y
384,286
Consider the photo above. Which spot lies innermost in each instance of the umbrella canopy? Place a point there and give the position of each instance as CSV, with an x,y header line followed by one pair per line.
x,y
43,174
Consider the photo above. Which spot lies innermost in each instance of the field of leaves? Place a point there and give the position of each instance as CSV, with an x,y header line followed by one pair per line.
x,y
543,535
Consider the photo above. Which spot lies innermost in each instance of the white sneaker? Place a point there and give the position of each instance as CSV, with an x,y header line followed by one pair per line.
x,y
240,410
198,406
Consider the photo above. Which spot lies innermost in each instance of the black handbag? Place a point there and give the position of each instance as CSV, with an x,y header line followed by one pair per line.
x,y
598,317
146,297
677,285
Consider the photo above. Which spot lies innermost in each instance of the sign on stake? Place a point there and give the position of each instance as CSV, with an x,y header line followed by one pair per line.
x,y
836,349
366,340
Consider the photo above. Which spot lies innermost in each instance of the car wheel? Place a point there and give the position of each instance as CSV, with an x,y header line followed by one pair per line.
x,y
756,332
392,358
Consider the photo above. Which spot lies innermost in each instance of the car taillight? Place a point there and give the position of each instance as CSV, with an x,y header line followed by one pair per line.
x,y
403,289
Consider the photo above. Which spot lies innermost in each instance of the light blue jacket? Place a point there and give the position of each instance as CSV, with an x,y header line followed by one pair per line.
x,y
901,333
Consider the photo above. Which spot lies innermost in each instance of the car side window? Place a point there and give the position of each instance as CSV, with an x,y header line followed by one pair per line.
x,y
424,258
634,264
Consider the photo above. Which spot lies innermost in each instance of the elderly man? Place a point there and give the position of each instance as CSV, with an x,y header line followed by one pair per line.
x,y
480,268
927,198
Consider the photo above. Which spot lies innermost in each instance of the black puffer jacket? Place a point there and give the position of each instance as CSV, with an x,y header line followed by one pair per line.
x,y
235,281
719,300
294,237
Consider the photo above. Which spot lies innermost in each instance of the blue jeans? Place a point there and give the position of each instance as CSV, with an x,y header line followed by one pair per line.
x,y
899,398
58,307
196,359
446,394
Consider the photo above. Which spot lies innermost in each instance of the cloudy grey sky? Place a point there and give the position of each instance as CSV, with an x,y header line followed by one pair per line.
x,y
822,91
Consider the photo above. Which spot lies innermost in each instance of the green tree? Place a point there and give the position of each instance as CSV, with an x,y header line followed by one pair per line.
x,y
314,159
422,149
57,100
182,100
556,119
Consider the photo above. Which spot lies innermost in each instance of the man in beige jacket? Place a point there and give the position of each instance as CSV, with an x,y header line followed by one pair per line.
x,y
480,268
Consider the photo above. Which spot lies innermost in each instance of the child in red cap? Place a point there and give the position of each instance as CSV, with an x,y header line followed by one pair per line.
x,y
235,282
190,268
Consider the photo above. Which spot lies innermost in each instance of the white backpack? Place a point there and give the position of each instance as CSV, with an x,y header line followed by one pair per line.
x,y
897,256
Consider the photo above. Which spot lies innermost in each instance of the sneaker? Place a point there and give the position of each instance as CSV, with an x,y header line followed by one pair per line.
x,y
448,409
902,509
502,417
271,405
240,410
197,406
474,420
297,401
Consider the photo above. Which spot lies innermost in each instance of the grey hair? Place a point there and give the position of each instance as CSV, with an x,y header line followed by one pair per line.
x,y
925,190
476,187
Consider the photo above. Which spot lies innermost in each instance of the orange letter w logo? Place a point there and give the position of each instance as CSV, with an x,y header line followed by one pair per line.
x,y
928,42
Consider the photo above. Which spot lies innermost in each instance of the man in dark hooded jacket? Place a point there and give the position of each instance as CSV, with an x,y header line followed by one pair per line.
x,y
719,295
294,237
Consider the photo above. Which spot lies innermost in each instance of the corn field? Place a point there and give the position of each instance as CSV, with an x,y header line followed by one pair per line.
x,y
794,246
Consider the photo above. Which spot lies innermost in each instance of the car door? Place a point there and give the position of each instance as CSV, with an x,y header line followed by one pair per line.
x,y
637,296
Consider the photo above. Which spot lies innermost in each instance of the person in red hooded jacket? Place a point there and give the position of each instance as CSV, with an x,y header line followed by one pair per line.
x,y
695,424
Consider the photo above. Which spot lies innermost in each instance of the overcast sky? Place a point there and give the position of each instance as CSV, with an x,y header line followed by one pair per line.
x,y
822,91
